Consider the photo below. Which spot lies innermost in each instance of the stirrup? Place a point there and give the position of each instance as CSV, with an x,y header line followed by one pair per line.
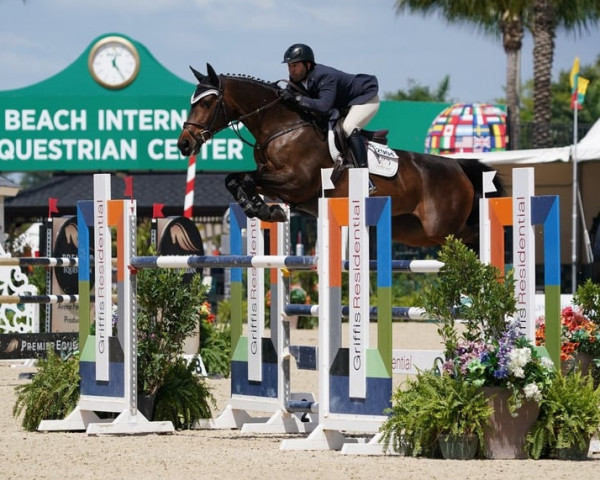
x,y
372,187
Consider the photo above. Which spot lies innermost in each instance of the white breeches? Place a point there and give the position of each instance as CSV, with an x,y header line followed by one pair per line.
x,y
360,115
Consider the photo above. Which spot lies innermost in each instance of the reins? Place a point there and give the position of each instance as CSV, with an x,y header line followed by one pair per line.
x,y
207,132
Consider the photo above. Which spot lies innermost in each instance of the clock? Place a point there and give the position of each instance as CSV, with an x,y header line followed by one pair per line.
x,y
114,62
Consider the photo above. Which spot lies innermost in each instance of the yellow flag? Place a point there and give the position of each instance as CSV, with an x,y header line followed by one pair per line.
x,y
582,84
574,75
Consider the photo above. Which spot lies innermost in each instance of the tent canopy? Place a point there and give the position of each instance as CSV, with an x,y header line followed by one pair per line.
x,y
588,148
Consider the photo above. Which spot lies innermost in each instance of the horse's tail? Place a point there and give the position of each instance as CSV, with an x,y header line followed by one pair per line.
x,y
474,170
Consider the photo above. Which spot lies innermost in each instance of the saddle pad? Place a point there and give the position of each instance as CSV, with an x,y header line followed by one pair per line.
x,y
383,161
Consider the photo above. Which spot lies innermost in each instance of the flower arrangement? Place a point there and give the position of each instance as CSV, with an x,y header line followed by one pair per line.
x,y
206,313
578,334
510,361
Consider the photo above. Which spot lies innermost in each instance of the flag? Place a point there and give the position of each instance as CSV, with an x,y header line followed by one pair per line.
x,y
582,84
52,206
574,74
488,182
157,210
128,186
326,182
578,85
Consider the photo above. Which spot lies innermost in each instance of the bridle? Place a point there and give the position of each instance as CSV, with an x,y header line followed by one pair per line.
x,y
207,131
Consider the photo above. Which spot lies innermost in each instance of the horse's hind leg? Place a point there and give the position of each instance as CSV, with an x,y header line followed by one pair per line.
x,y
243,189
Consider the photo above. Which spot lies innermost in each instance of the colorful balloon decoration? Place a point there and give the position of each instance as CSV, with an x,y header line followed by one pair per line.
x,y
467,127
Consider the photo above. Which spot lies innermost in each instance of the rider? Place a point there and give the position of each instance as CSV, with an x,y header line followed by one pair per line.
x,y
327,90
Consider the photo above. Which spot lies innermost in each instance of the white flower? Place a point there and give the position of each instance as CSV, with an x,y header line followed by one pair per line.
x,y
547,363
517,359
532,391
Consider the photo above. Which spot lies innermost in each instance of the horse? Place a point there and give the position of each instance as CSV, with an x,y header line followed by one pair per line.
x,y
432,196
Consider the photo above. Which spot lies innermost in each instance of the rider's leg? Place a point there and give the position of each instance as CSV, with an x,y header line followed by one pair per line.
x,y
358,116
358,148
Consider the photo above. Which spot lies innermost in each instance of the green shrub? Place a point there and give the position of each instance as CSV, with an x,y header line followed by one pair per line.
x,y
52,393
569,415
432,405
184,397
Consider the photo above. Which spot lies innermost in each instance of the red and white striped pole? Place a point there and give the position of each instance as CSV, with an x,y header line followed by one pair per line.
x,y
188,203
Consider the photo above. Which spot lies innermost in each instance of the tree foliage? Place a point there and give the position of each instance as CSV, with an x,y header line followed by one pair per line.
x,y
420,93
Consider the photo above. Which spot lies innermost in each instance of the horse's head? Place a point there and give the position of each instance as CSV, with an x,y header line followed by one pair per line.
x,y
207,113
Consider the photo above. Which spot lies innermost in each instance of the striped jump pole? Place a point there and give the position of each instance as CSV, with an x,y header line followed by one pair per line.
x,y
38,261
18,299
398,313
225,261
414,266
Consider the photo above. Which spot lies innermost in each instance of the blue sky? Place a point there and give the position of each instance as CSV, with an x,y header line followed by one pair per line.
x,y
39,38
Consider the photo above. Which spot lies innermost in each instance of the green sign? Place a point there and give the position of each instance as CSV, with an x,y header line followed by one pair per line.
x,y
75,122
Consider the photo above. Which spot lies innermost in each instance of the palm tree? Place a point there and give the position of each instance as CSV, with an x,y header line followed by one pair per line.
x,y
492,17
510,18
547,16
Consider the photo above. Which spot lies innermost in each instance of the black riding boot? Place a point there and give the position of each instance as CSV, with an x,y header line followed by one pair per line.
x,y
357,146
359,151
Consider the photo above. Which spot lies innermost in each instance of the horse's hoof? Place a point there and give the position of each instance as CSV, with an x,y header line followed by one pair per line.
x,y
277,214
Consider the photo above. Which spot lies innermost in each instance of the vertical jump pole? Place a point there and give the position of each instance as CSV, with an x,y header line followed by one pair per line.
x,y
102,271
523,234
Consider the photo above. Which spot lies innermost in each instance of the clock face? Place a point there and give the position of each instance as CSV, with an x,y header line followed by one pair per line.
x,y
114,62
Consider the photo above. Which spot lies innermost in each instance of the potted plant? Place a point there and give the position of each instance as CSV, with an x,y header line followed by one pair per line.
x,y
487,348
569,417
437,414
580,342
169,311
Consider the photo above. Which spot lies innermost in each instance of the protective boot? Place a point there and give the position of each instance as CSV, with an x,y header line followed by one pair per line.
x,y
359,151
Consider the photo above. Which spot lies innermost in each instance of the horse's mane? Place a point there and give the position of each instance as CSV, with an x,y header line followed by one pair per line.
x,y
251,79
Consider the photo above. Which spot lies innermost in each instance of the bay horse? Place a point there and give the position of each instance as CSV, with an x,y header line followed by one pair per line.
x,y
432,196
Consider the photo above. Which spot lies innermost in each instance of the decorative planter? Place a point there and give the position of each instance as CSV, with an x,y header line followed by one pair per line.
x,y
145,404
462,447
505,437
580,361
574,453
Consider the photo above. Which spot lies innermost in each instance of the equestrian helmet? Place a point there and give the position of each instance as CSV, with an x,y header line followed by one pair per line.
x,y
299,52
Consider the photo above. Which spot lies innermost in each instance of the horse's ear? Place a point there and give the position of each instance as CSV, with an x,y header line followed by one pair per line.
x,y
197,74
212,76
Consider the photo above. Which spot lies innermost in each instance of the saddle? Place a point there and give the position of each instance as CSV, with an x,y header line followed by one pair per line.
x,y
340,150
341,142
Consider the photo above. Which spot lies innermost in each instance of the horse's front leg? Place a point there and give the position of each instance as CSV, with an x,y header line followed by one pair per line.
x,y
243,189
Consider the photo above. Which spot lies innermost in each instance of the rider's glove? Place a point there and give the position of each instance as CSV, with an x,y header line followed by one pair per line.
x,y
288,96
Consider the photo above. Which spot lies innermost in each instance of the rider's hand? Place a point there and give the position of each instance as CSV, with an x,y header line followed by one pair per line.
x,y
287,95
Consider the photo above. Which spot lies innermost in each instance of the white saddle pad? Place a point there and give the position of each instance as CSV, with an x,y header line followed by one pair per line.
x,y
383,161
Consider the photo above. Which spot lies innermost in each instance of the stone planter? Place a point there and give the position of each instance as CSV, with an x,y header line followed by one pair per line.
x,y
505,437
580,362
573,453
145,404
463,447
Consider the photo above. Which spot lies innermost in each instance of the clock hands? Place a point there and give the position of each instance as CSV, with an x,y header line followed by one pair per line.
x,y
116,67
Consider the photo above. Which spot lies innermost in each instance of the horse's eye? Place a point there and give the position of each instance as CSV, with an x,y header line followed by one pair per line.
x,y
206,103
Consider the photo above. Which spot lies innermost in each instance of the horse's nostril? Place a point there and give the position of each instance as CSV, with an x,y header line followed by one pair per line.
x,y
184,146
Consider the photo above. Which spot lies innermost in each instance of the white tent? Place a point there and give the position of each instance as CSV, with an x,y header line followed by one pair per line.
x,y
588,148
554,176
